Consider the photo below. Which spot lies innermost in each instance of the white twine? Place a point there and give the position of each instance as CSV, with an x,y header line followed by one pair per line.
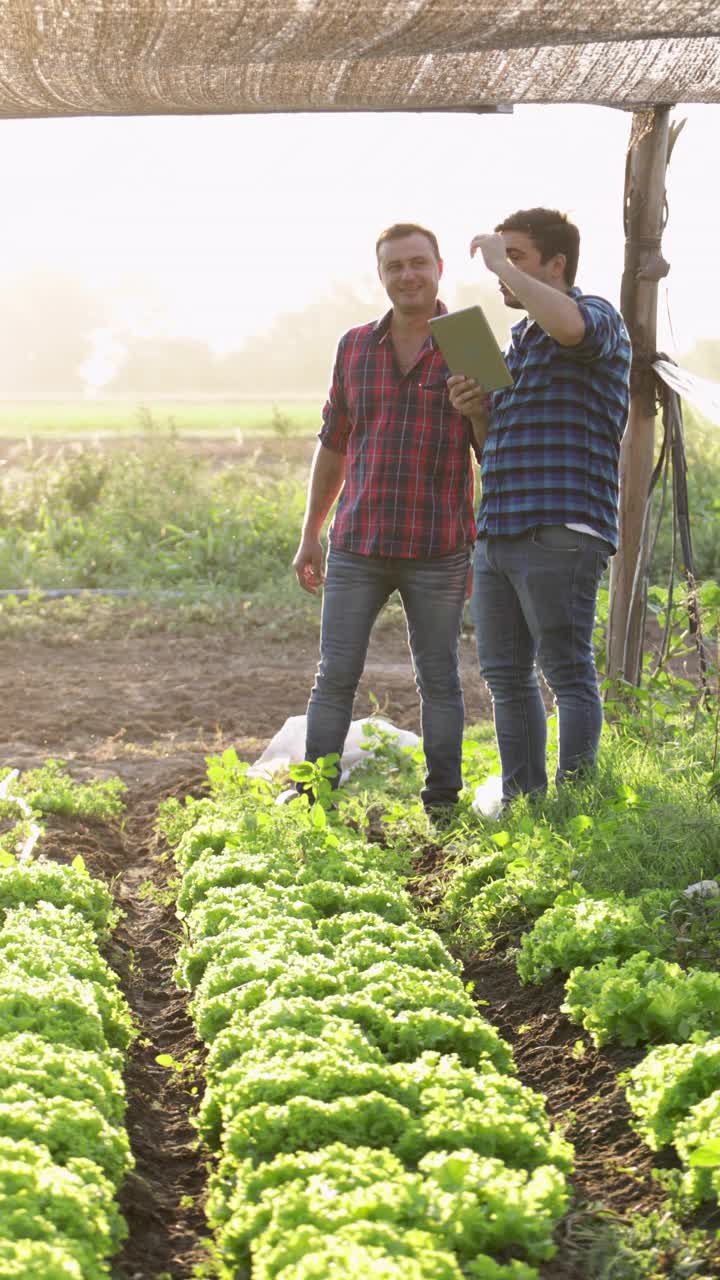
x,y
700,392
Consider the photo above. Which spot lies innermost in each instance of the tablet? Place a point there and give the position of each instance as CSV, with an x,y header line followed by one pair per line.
x,y
470,347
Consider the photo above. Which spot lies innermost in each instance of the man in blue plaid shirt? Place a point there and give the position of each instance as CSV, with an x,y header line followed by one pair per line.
x,y
547,521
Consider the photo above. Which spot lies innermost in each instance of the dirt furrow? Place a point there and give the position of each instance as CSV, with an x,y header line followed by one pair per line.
x,y
162,1200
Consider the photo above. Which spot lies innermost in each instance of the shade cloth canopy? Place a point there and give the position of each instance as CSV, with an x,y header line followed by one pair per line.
x,y
133,57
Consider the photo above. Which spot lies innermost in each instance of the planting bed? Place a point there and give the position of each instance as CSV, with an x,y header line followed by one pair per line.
x,y
149,709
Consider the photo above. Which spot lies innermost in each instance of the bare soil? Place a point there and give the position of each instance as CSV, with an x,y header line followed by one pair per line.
x,y
139,706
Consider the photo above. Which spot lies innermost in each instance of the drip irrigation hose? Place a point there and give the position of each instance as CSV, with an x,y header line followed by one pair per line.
x,y
57,593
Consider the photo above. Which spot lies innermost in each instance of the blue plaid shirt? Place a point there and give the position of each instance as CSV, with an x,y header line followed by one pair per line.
x,y
553,445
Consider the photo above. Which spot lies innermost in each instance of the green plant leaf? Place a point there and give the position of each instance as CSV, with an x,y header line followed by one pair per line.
x,y
318,817
501,839
707,1156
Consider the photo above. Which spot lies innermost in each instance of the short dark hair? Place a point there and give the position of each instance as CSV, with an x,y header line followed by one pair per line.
x,y
551,232
399,230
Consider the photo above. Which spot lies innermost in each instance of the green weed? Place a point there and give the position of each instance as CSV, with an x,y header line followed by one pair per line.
x,y
50,789
146,519
648,1246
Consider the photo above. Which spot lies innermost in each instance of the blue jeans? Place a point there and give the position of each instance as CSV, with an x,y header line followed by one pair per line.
x,y
432,594
534,603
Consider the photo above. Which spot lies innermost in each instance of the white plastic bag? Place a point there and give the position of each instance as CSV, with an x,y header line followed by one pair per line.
x,y
288,746
703,889
488,797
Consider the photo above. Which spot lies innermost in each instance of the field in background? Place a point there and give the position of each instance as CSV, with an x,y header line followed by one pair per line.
x,y
69,418
200,503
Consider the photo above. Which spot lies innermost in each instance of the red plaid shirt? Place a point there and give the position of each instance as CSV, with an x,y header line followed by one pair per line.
x,y
408,488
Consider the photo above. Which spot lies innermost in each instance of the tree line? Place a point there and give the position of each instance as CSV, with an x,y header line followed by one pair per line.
x,y
49,323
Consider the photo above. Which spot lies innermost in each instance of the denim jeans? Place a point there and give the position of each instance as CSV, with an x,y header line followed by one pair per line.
x,y
533,605
432,594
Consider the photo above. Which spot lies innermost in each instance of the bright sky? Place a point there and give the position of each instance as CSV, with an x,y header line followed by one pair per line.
x,y
210,226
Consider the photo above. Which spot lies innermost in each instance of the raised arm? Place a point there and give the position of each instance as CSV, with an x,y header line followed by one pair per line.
x,y
553,309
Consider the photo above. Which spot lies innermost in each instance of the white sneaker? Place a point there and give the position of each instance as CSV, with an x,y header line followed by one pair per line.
x,y
287,797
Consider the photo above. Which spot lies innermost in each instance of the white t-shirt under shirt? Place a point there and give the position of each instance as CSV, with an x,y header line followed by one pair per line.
x,y
585,528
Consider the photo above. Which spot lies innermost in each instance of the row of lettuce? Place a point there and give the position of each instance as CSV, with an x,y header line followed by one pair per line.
x,y
363,1117
629,979
65,1028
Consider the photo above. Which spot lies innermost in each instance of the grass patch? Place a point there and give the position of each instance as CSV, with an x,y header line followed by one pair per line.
x,y
647,819
144,519
194,540
52,418
269,612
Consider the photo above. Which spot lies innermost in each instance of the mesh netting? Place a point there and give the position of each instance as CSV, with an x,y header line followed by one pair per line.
x,y
128,57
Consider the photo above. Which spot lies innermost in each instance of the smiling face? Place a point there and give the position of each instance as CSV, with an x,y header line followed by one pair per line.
x,y
410,274
525,255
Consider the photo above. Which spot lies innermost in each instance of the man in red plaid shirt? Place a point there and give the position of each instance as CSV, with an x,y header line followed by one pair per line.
x,y
398,454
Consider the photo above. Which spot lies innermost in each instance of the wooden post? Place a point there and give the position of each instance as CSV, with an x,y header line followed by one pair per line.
x,y
644,220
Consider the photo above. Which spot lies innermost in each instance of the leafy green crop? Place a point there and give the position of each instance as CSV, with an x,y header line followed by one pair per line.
x,y
56,1070
470,878
381,990
371,940
376,1249
210,832
63,1023
254,968
30,1259
579,930
329,898
697,1142
334,1018
63,1010
459,1202
24,951
36,882
235,942
222,909
278,976
643,998
71,1207
67,1129
520,888
487,1112
304,1123
667,1083
401,988
44,920
265,1063
230,868
50,789
484,1205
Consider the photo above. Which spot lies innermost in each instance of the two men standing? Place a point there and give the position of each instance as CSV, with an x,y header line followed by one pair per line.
x,y
396,446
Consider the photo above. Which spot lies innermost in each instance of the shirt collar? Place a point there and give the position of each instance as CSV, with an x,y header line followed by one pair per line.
x,y
381,328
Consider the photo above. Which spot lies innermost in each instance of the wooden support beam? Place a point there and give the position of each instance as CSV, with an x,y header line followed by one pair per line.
x,y
644,218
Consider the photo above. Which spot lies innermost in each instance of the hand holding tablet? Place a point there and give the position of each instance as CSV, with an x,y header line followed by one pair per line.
x,y
470,347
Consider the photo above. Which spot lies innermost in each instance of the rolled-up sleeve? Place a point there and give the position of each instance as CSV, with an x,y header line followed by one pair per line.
x,y
604,330
336,420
